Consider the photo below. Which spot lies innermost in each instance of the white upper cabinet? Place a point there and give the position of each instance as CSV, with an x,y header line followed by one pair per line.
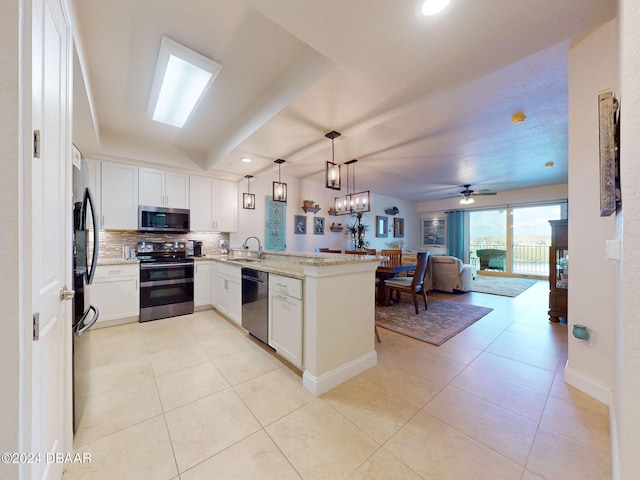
x,y
225,206
201,193
160,188
214,205
119,196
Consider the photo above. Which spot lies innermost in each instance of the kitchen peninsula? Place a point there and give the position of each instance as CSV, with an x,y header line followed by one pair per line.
x,y
338,297
322,305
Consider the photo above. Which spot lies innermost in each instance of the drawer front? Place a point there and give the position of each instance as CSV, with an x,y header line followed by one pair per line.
x,y
286,285
228,270
115,271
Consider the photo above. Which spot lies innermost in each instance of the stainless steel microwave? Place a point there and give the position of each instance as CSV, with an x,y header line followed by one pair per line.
x,y
160,219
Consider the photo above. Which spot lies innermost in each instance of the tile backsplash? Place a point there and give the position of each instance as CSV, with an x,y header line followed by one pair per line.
x,y
112,243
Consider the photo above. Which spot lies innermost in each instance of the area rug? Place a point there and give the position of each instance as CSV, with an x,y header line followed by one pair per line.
x,y
505,286
439,323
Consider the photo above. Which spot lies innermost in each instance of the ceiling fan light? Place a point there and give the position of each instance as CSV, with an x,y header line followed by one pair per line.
x,y
432,7
466,200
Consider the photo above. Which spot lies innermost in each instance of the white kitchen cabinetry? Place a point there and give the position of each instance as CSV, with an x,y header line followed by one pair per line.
x,y
214,204
94,183
119,204
202,284
225,206
160,188
115,293
228,291
286,318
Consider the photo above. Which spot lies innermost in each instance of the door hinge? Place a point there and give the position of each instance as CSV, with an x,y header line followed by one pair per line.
x,y
36,143
36,326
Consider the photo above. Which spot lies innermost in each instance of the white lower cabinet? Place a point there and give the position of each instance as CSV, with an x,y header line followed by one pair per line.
x,y
114,292
228,291
202,284
286,318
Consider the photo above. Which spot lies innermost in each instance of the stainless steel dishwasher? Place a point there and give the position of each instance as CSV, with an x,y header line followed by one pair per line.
x,y
255,303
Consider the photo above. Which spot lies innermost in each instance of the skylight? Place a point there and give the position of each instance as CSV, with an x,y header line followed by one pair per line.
x,y
182,76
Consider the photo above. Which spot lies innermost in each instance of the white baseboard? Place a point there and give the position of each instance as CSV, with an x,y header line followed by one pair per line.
x,y
322,384
616,474
587,385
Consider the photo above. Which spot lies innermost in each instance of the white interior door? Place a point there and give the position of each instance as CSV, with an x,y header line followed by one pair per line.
x,y
51,239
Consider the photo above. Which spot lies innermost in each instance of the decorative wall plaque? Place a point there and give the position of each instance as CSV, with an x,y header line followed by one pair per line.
x,y
609,154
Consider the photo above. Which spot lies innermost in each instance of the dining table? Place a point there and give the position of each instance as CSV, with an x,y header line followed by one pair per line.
x,y
388,269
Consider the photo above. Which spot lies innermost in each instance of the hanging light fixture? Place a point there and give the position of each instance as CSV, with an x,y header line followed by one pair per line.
x,y
279,193
248,199
332,170
467,199
351,203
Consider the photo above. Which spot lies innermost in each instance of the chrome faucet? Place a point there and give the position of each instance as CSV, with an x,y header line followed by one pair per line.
x,y
244,245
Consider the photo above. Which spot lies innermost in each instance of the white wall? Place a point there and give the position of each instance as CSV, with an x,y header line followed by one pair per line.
x,y
11,277
627,361
252,222
593,69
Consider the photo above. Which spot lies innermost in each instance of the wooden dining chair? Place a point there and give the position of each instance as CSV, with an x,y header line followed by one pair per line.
x,y
414,285
370,251
395,256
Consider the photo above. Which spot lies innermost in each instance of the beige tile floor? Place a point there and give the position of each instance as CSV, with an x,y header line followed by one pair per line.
x,y
194,398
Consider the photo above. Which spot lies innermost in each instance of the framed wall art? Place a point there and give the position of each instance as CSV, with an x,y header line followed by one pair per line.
x,y
300,224
433,232
318,225
398,227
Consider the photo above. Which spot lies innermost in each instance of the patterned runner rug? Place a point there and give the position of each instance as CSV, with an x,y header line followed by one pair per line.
x,y
439,323
505,286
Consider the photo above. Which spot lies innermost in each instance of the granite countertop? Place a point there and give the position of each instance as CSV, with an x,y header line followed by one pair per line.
x,y
117,261
281,263
287,264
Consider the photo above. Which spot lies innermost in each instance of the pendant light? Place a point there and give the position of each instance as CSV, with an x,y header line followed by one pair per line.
x,y
357,202
279,193
248,199
332,170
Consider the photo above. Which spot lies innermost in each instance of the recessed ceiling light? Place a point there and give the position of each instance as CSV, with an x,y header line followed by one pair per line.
x,y
431,7
246,160
182,76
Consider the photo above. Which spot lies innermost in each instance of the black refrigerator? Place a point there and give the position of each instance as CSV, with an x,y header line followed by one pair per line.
x,y
85,256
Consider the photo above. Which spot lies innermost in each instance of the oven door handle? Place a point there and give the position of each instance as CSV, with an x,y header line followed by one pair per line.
x,y
161,283
147,266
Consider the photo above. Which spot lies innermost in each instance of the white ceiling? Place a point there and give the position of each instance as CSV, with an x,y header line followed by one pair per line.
x,y
424,104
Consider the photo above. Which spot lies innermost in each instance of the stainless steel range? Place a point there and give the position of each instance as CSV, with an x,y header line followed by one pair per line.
x,y
166,280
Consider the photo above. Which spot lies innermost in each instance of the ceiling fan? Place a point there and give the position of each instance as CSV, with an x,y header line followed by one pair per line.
x,y
468,194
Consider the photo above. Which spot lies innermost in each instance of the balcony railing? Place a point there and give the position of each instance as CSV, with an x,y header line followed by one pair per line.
x,y
525,259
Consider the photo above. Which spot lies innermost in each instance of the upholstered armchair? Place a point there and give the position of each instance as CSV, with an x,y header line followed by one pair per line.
x,y
449,274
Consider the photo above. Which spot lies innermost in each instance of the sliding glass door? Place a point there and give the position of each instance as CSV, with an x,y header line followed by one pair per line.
x,y
488,239
513,240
